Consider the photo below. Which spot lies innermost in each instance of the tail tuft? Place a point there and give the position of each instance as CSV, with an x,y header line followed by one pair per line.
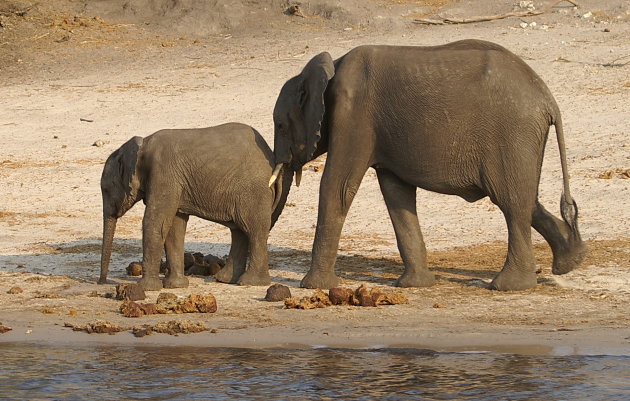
x,y
569,212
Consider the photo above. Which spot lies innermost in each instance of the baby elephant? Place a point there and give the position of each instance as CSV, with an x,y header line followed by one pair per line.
x,y
221,174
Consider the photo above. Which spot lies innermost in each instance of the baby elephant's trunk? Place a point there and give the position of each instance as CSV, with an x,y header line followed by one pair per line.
x,y
109,228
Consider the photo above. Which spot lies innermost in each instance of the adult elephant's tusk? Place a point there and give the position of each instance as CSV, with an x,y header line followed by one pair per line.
x,y
274,175
298,177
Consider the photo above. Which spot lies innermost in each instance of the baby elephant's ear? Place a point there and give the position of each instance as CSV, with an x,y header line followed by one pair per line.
x,y
128,164
315,77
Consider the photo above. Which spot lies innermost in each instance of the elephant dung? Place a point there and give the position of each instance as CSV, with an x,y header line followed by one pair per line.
x,y
201,265
171,327
193,303
99,327
277,292
134,269
131,292
364,296
341,296
133,309
189,260
15,290
4,329
319,299
179,327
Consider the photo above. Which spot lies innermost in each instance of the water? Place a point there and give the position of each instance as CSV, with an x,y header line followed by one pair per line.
x,y
44,372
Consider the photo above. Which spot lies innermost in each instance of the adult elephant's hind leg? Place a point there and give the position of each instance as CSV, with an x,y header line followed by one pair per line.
x,y
174,246
400,199
519,270
567,246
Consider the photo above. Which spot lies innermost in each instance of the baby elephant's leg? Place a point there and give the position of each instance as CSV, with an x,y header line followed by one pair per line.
x,y
174,246
235,265
258,270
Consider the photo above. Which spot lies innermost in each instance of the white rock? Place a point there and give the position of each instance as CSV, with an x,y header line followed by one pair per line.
x,y
523,25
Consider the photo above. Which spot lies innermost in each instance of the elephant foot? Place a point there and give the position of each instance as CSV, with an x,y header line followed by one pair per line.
x,y
227,274
320,279
514,280
255,277
176,282
150,283
102,280
418,278
567,261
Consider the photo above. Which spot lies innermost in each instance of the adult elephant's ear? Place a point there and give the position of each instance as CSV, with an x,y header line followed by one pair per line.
x,y
315,77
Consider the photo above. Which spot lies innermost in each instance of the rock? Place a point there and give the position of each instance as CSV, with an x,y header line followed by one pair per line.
x,y
4,329
134,269
277,292
341,296
15,290
98,143
318,300
131,292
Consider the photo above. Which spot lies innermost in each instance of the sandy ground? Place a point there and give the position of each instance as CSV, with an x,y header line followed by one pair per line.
x,y
73,78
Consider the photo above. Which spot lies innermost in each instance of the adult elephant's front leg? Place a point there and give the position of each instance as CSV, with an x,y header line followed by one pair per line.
x,y
174,247
338,187
400,199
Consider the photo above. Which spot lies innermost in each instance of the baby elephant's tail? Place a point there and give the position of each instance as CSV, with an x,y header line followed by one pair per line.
x,y
568,207
573,251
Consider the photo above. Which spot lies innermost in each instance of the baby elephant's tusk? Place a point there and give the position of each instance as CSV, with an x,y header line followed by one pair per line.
x,y
274,175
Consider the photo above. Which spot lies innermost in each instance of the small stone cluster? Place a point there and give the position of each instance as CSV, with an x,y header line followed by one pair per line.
x,y
168,303
362,296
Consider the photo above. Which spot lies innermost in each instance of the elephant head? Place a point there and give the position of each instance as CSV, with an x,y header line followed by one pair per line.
x,y
121,188
299,112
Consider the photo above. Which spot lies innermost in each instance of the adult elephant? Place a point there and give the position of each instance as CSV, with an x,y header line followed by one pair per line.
x,y
467,118
218,174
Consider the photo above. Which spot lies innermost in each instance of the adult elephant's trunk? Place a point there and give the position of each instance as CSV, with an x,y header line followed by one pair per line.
x,y
109,228
282,187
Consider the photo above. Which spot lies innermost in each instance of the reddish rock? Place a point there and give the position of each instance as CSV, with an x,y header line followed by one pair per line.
x,y
277,292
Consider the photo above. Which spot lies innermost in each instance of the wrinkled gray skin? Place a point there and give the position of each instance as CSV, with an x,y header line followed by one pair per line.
x,y
468,118
219,174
